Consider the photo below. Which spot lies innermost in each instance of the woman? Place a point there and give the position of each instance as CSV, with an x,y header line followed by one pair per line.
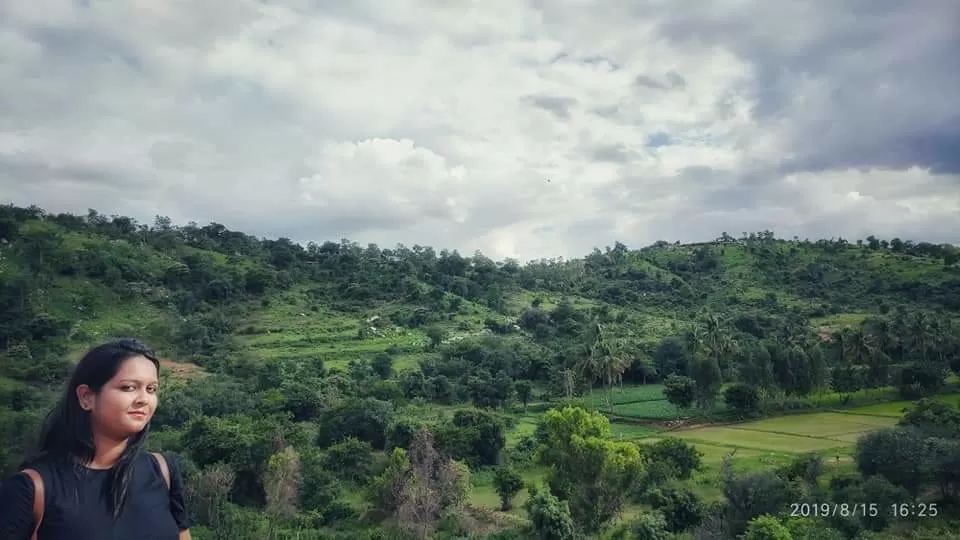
x,y
93,478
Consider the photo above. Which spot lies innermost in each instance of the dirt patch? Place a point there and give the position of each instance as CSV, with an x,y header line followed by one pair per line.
x,y
485,522
687,424
683,423
182,370
696,425
826,334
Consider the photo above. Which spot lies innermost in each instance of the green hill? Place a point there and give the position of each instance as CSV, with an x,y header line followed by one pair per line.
x,y
332,339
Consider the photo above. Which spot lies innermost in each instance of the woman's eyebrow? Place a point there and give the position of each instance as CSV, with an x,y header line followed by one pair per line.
x,y
140,381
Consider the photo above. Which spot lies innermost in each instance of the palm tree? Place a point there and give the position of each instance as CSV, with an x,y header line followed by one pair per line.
x,y
920,333
901,329
842,340
589,365
719,343
863,351
612,363
883,334
860,345
696,339
942,333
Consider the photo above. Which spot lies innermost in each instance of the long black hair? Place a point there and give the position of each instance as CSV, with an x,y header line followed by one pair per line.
x,y
67,433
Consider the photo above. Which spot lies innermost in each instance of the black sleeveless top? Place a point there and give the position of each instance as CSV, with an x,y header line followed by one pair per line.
x,y
77,508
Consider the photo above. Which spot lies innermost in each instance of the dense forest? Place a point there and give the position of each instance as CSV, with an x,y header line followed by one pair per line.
x,y
748,387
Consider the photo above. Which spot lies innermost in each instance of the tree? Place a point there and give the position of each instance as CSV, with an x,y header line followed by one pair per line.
x,y
742,398
387,492
40,246
178,410
436,335
754,494
680,391
302,401
766,527
933,418
681,508
473,435
845,380
812,529
282,485
901,455
819,371
648,526
874,490
550,517
719,342
240,441
208,494
918,380
708,378
508,482
366,419
681,457
350,459
671,357
382,365
807,467
524,391
587,469
611,364
435,487
754,367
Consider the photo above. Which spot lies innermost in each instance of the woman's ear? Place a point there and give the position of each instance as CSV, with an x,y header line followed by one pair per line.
x,y
85,396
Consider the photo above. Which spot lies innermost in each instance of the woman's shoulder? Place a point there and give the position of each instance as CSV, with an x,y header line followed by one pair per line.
x,y
16,483
20,486
44,464
159,463
16,500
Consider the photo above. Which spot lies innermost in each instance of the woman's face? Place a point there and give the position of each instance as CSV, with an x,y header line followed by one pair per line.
x,y
126,403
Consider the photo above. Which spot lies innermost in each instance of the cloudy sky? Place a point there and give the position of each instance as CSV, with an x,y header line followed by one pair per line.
x,y
523,128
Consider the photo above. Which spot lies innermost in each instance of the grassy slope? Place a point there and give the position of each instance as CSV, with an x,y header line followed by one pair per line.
x,y
299,325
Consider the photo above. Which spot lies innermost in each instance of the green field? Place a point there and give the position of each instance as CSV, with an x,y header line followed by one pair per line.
x,y
895,409
813,432
624,394
757,444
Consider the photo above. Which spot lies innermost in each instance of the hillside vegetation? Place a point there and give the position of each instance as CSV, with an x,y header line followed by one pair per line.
x,y
675,391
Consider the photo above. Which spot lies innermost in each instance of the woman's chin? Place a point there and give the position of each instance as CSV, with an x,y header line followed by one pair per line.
x,y
134,426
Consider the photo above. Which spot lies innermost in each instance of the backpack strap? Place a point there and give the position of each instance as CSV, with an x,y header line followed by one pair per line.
x,y
164,468
39,500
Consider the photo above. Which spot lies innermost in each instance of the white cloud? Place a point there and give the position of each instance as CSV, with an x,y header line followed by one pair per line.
x,y
523,129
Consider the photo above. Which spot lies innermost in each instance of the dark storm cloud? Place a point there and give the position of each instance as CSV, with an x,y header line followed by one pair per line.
x,y
877,80
558,105
647,81
607,111
598,60
669,81
38,173
676,80
611,153
937,147
66,44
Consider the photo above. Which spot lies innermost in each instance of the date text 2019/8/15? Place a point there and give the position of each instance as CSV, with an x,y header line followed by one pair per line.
x,y
901,510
